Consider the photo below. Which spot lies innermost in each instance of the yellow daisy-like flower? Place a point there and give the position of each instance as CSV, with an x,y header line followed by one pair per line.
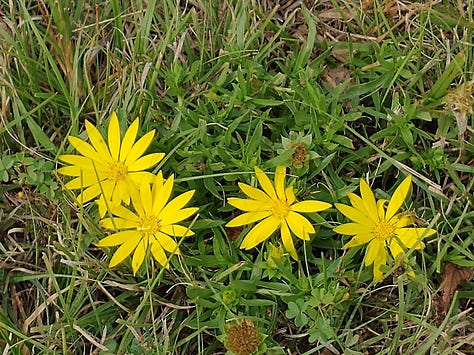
x,y
109,169
151,225
379,225
275,208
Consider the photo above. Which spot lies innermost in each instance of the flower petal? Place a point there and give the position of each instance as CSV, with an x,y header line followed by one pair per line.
x,y
398,198
146,198
260,232
97,142
88,194
113,136
87,150
290,195
310,206
139,148
176,230
145,162
176,204
166,242
351,229
254,193
140,177
359,239
118,223
129,139
123,212
162,195
178,216
280,174
247,218
118,238
249,205
136,200
159,254
123,251
287,240
354,215
368,199
80,183
265,183
376,255
139,255
299,225
410,236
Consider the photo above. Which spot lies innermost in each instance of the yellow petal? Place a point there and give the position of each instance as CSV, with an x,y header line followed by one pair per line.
x,y
177,231
260,232
368,199
398,198
140,177
87,150
176,204
376,255
310,206
97,142
299,225
72,170
265,183
358,203
145,162
118,223
247,218
139,255
255,193
280,174
290,195
354,215
287,240
381,209
395,247
159,254
81,182
128,140
118,238
166,242
375,247
88,194
403,220
178,216
123,212
249,205
136,200
163,196
104,206
84,163
359,239
123,251
351,229
146,198
113,136
139,148
410,236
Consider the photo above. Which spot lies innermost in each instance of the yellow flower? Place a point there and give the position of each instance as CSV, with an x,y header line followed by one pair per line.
x,y
109,169
151,225
380,226
276,208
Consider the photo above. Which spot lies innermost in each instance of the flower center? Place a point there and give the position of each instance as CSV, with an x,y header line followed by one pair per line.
x,y
148,224
117,171
280,209
384,230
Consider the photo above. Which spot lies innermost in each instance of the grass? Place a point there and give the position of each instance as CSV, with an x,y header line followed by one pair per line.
x,y
373,89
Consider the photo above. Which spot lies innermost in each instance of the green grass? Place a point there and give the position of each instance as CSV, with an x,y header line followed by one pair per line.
x,y
378,92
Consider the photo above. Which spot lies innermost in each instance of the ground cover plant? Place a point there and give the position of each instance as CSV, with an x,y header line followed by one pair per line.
x,y
240,177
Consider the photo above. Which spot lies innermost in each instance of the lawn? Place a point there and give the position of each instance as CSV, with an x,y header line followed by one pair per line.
x,y
236,177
